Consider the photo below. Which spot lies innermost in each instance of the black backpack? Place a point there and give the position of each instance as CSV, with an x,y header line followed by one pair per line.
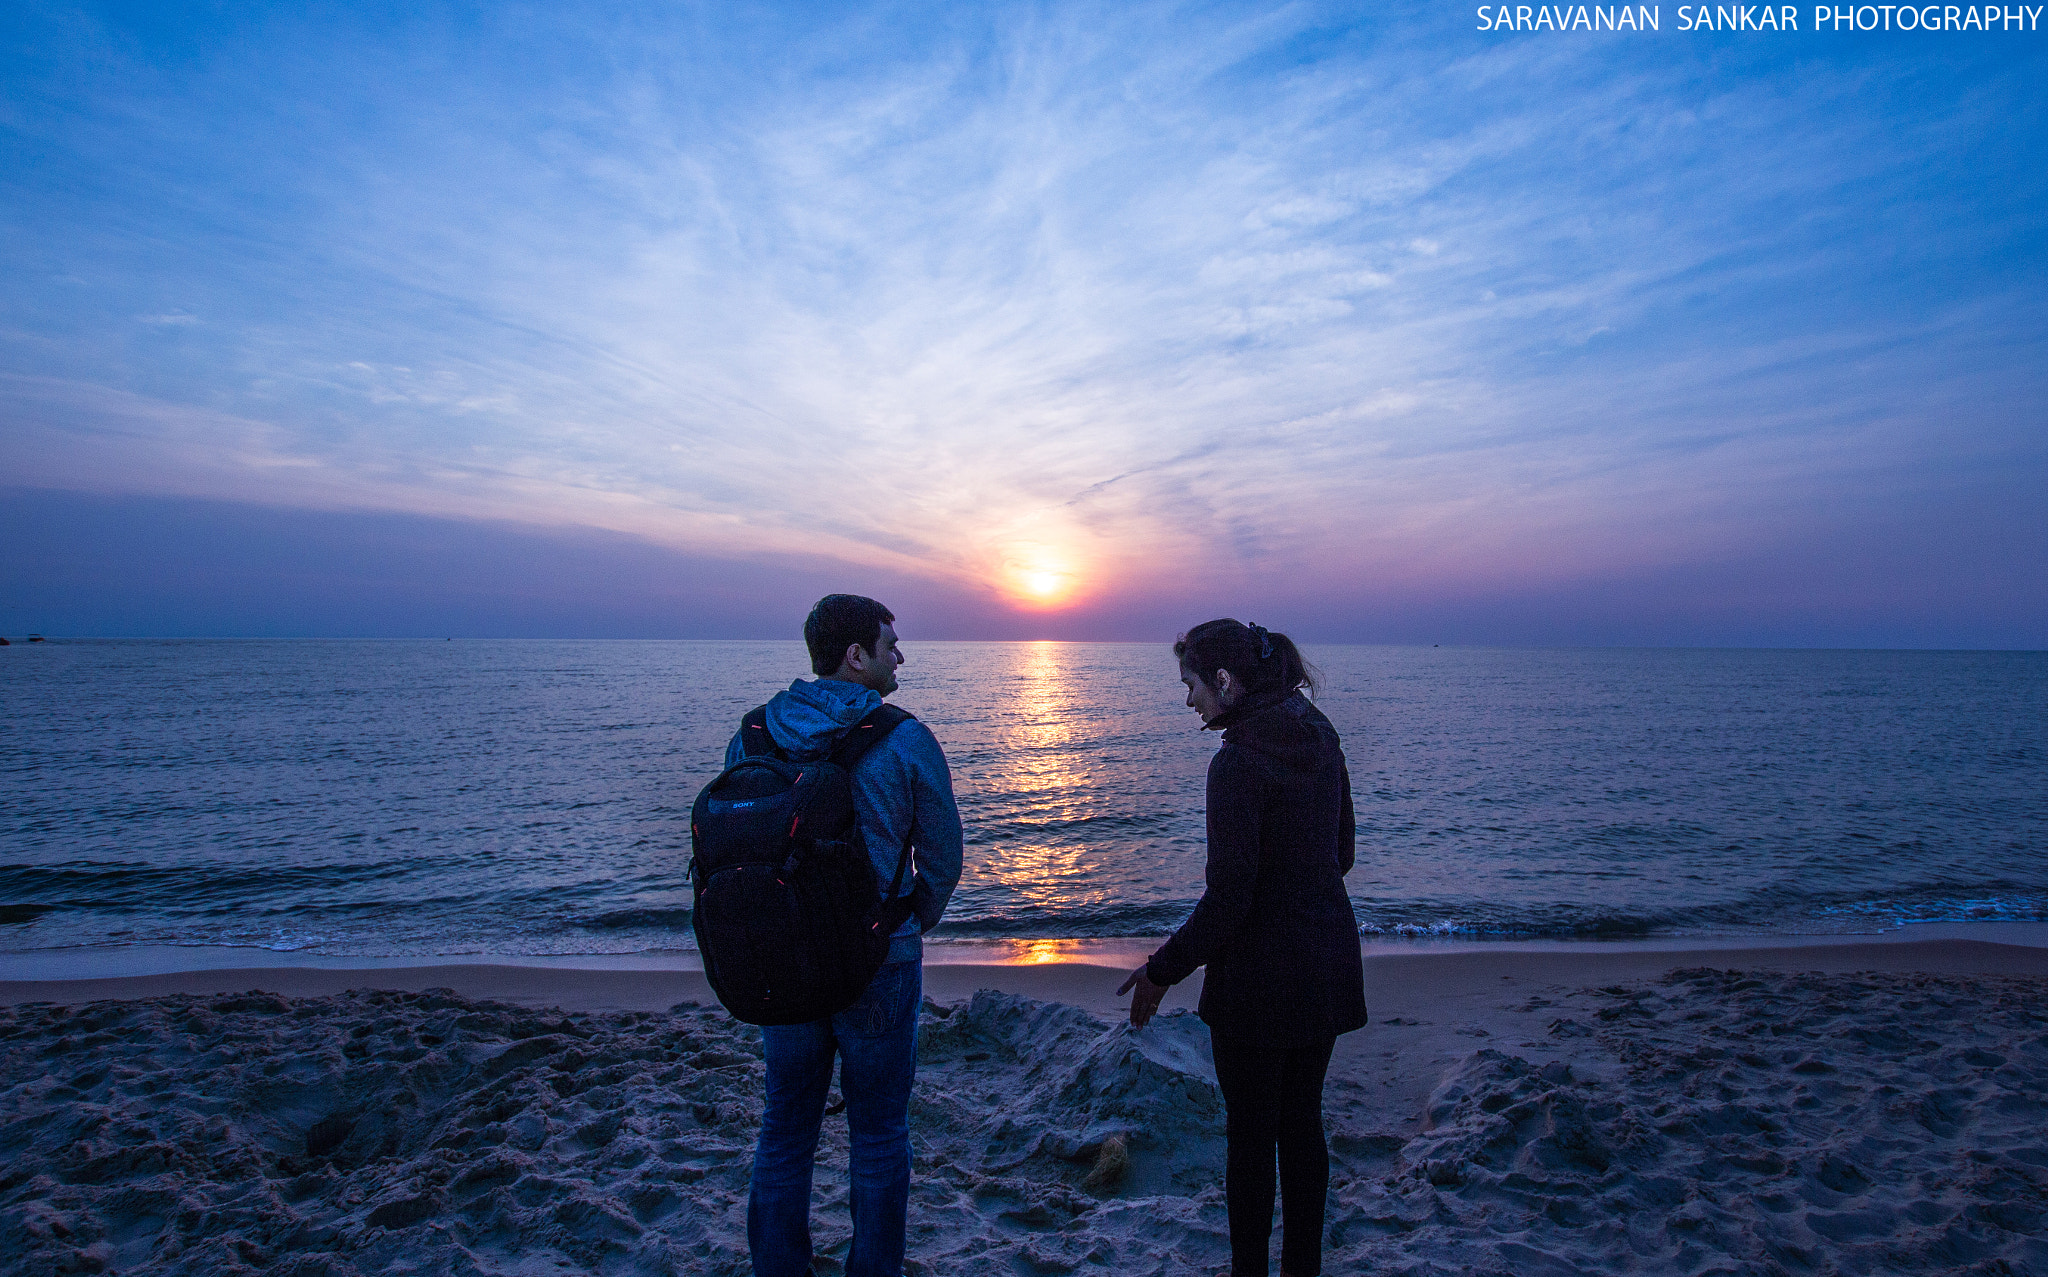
x,y
789,914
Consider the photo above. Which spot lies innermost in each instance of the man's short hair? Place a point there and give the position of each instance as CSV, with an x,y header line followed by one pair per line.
x,y
837,623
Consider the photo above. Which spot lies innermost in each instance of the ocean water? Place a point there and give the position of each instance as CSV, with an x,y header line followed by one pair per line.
x,y
377,798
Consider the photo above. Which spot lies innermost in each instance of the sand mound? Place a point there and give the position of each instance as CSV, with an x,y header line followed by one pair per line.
x,y
1052,1141
1738,1124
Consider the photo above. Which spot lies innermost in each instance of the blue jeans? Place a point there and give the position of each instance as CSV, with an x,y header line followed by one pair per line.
x,y
876,1041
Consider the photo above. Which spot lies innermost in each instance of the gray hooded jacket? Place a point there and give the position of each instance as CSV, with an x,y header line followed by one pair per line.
x,y
902,788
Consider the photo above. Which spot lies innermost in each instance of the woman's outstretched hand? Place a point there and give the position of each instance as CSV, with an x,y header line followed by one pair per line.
x,y
1145,996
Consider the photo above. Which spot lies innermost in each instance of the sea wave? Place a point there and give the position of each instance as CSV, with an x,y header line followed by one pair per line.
x,y
533,798
676,919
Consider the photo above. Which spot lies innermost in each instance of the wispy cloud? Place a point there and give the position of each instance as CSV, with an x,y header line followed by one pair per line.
x,y
1072,289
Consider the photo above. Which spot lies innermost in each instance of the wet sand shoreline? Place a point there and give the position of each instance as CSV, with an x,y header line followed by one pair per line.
x,y
1394,979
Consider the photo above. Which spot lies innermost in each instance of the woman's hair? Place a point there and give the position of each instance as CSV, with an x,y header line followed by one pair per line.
x,y
1258,659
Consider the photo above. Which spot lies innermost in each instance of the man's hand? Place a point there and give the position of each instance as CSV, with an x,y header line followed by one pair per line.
x,y
1145,996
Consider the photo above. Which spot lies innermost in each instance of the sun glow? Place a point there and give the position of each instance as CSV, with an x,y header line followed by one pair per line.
x,y
1040,563
1042,585
1038,953
1045,585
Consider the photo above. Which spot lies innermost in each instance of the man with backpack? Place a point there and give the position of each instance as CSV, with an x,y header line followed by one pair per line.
x,y
909,828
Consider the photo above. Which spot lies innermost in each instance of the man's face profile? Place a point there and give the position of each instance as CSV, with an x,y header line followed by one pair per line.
x,y
876,669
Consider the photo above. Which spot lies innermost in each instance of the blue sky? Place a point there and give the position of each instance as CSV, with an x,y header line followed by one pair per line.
x,y
1036,321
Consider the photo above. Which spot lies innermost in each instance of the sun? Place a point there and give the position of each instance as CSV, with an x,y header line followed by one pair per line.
x,y
1042,585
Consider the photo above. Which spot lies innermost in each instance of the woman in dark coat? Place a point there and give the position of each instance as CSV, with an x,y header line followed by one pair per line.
x,y
1275,929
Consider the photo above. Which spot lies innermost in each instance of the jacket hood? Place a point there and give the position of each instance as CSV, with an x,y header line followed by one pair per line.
x,y
808,719
1282,726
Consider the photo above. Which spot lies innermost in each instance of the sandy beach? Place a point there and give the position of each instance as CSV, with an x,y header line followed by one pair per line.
x,y
1870,1107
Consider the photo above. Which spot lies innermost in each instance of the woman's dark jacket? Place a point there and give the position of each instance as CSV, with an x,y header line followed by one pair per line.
x,y
1275,927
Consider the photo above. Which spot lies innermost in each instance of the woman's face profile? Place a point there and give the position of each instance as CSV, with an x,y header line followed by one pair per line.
x,y
1202,698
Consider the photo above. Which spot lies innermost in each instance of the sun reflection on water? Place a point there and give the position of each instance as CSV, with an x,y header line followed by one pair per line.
x,y
1070,798
1034,953
1079,774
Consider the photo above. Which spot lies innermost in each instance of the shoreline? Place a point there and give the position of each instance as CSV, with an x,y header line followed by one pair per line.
x,y
1400,981
214,969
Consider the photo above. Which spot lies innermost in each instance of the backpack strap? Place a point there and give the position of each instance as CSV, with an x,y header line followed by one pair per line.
x,y
862,737
866,734
754,738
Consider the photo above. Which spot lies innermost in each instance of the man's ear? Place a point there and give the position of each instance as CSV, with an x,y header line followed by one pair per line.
x,y
855,658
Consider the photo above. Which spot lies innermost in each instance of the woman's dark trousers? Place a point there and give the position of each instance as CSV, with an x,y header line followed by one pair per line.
x,y
1273,1103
